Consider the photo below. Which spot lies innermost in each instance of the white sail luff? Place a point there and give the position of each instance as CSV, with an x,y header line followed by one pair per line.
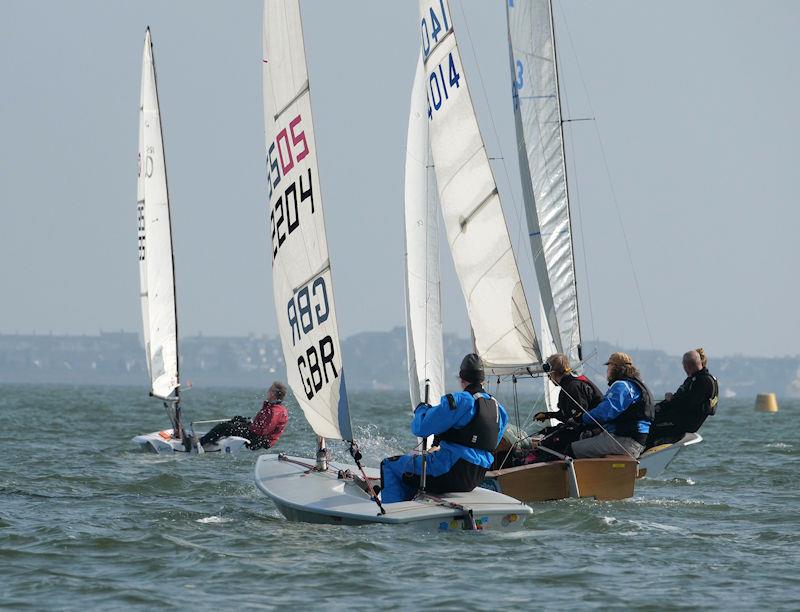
x,y
473,216
301,274
540,144
156,272
421,213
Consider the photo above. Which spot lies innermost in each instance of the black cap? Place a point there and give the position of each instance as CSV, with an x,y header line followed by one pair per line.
x,y
471,369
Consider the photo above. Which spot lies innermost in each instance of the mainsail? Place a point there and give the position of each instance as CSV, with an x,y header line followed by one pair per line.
x,y
423,304
476,228
156,273
540,145
301,273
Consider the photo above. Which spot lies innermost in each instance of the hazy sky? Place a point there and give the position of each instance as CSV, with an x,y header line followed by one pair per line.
x,y
695,103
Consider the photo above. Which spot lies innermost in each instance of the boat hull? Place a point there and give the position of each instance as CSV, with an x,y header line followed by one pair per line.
x,y
606,478
303,494
162,443
654,461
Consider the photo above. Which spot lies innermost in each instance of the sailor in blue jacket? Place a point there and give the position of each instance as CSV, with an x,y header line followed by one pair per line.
x,y
625,413
467,425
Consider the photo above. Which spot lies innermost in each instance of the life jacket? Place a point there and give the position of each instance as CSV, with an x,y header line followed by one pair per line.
x,y
484,428
641,410
710,405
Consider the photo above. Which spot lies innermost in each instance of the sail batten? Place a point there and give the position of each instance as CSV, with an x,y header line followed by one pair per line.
x,y
473,216
301,279
540,147
156,262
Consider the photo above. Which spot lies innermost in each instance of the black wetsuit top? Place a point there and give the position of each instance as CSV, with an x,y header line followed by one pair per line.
x,y
687,410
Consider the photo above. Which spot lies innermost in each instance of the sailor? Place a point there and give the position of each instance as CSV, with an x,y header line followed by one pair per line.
x,y
577,396
468,426
264,430
688,408
624,414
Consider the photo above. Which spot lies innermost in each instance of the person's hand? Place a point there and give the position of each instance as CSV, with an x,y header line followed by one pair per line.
x,y
540,416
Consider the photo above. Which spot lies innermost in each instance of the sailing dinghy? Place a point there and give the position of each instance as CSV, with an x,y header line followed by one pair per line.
x,y
478,237
157,274
540,144
320,490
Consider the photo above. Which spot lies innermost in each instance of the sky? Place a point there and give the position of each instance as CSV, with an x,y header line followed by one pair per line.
x,y
691,153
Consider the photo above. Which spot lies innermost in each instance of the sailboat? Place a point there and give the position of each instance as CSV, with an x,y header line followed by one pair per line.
x,y
540,146
320,490
157,274
487,270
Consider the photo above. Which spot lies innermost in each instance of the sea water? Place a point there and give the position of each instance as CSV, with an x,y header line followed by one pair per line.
x,y
89,521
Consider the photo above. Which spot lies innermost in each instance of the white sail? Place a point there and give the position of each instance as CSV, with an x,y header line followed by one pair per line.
x,y
476,228
156,274
423,304
540,144
301,273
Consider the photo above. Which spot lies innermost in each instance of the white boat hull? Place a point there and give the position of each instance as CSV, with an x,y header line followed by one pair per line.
x,y
654,461
162,442
304,494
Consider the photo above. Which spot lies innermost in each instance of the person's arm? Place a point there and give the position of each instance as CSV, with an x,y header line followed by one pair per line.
x,y
431,420
616,401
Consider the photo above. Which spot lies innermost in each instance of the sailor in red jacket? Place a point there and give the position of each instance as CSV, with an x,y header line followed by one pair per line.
x,y
264,430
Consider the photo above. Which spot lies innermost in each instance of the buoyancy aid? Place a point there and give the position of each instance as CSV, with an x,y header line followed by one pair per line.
x,y
710,405
484,428
641,410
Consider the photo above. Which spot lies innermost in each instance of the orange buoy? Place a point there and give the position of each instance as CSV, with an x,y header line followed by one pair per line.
x,y
766,402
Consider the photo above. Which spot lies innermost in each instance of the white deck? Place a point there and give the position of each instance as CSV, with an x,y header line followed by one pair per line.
x,y
162,442
303,494
653,462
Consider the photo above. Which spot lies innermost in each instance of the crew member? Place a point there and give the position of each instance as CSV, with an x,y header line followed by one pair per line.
x,y
468,426
688,408
264,430
625,413
578,395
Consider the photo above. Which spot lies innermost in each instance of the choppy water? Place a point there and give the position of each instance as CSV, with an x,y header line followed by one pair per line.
x,y
88,521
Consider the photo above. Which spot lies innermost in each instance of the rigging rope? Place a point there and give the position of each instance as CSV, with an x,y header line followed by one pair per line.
x,y
356,454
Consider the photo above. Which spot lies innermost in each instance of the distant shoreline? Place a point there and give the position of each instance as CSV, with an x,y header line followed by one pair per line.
x,y
374,361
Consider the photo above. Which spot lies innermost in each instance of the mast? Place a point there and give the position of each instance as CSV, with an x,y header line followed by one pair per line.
x,y
541,152
566,181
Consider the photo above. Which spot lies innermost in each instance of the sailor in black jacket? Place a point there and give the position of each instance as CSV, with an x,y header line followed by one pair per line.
x,y
688,408
578,394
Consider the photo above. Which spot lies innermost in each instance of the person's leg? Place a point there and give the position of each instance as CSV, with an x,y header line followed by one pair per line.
x,y
393,487
237,426
220,430
605,444
462,477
